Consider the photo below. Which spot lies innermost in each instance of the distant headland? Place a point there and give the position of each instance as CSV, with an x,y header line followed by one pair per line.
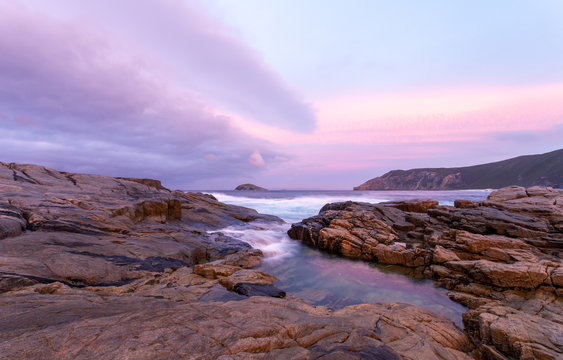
x,y
529,170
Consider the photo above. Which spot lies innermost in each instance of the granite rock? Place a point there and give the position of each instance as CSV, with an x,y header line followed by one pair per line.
x,y
500,253
94,267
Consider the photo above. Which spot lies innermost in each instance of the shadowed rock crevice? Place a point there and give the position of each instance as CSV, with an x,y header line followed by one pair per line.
x,y
69,178
152,263
249,289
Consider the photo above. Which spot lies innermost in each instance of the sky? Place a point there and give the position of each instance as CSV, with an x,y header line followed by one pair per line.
x,y
286,94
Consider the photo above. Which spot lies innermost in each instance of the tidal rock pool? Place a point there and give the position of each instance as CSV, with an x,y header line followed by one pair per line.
x,y
328,280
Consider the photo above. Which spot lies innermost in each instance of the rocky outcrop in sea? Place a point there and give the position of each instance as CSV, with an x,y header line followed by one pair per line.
x,y
250,187
501,257
94,267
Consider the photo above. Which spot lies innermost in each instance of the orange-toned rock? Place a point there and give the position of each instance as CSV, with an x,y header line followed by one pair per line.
x,y
82,325
247,276
505,250
465,204
505,332
441,255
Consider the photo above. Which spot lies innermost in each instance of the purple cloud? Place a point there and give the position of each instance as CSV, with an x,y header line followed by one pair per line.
x,y
199,52
77,98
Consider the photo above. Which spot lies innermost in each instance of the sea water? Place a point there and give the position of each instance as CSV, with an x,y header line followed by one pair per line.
x,y
324,279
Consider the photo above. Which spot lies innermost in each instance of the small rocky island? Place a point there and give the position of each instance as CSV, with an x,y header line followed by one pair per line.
x,y
250,187
501,257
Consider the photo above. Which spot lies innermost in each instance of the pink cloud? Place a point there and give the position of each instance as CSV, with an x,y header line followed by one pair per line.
x,y
200,53
461,115
372,134
255,159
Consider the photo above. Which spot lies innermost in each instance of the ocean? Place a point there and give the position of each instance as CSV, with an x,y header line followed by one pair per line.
x,y
324,279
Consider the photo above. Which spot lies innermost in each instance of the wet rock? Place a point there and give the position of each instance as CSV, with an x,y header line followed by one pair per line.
x,y
250,289
379,353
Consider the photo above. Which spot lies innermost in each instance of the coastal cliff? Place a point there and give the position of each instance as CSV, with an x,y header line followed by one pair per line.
x,y
95,267
531,170
501,257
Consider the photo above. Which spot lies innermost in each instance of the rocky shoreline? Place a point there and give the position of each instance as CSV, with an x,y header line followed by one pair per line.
x,y
94,267
500,257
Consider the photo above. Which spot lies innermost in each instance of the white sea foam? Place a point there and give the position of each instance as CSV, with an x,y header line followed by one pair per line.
x,y
291,209
293,206
271,239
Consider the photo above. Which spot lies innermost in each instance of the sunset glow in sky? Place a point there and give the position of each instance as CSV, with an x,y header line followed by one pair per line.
x,y
209,94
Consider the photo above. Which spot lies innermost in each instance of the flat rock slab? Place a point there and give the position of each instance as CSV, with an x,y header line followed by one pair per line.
x,y
86,326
